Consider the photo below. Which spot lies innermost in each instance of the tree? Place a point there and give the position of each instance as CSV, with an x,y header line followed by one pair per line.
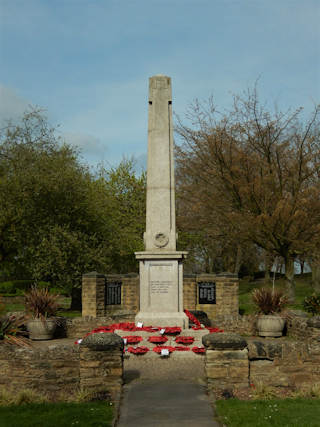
x,y
126,195
253,174
51,225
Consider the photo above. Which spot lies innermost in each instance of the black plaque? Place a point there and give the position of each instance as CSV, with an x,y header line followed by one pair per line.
x,y
113,293
207,292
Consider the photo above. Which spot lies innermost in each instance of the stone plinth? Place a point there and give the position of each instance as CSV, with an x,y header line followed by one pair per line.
x,y
101,364
161,289
227,364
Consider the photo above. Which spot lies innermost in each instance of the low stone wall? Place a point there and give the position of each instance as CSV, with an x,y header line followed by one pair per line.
x,y
94,292
301,327
227,300
284,364
233,362
243,325
60,370
49,370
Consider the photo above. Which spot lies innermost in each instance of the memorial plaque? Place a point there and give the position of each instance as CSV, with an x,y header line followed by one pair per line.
x,y
160,287
113,293
207,292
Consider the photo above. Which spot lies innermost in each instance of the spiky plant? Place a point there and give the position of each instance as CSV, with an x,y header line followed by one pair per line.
x,y
40,303
11,328
268,301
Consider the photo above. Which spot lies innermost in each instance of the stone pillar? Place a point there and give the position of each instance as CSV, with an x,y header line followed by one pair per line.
x,y
101,365
93,294
161,269
226,362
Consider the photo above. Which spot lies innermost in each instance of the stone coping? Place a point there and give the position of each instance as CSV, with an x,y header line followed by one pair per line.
x,y
224,341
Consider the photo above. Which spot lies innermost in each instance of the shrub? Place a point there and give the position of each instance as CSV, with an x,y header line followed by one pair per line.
x,y
40,303
268,301
312,304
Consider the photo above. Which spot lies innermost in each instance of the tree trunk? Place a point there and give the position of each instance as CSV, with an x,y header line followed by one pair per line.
x,y
289,277
267,267
76,299
238,260
315,269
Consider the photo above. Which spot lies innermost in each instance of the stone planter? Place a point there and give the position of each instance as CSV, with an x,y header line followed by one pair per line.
x,y
41,329
270,325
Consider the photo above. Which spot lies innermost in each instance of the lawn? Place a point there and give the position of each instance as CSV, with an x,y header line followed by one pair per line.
x,y
93,414
16,304
303,289
267,413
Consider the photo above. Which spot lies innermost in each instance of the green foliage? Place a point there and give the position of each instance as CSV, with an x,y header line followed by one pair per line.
x,y
40,303
91,414
265,413
126,195
57,219
312,304
269,301
18,287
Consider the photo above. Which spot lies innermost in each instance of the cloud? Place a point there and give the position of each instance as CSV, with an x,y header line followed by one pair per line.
x,y
91,147
12,105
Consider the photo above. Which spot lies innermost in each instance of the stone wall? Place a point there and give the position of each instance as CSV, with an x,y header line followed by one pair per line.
x,y
48,370
60,370
234,363
300,326
129,293
93,295
227,300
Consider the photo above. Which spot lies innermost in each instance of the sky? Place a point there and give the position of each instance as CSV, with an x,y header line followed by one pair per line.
x,y
87,62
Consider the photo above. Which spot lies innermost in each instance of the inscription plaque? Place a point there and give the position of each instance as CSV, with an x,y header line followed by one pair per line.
x,y
207,292
113,293
160,287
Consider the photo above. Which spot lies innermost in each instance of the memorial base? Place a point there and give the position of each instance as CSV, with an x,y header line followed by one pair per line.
x,y
163,319
161,289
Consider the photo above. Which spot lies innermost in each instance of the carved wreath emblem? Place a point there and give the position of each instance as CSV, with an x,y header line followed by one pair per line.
x,y
161,240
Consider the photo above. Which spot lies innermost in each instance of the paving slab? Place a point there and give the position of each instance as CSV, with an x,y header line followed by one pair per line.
x,y
165,404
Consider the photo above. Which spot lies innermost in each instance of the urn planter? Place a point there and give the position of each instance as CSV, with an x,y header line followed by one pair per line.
x,y
41,329
270,325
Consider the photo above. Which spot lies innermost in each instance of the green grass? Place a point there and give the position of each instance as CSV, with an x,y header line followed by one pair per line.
x,y
69,313
16,304
93,414
267,413
14,307
303,289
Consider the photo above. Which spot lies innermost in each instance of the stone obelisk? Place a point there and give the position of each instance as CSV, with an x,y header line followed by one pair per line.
x,y
161,269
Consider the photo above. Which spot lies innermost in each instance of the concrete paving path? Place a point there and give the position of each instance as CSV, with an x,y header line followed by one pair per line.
x,y
168,403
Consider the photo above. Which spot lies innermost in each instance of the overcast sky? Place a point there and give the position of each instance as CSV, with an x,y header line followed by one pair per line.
x,y
87,62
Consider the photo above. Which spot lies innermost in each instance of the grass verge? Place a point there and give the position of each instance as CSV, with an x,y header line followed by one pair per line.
x,y
91,414
267,413
303,289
